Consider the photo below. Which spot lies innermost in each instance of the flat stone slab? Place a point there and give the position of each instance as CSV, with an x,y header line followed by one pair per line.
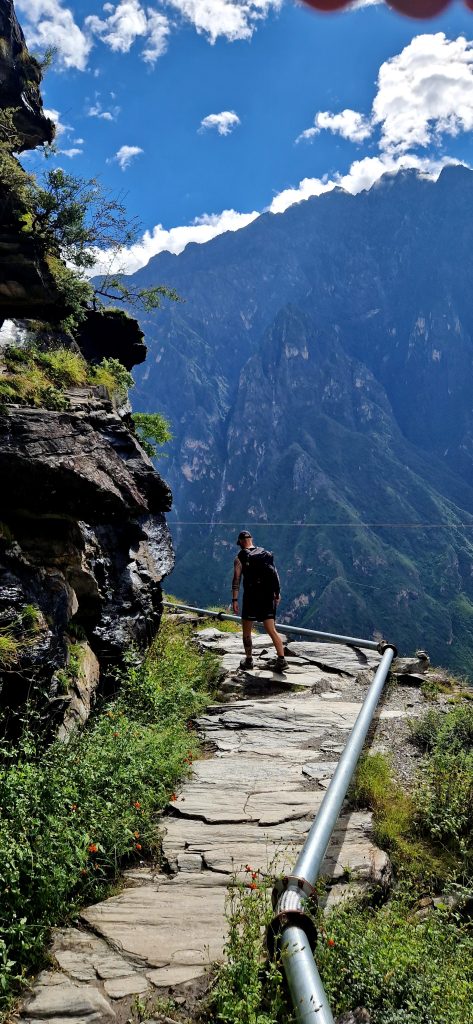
x,y
56,998
133,985
164,925
337,657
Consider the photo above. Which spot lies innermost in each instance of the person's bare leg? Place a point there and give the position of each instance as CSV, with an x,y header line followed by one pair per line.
x,y
247,626
270,628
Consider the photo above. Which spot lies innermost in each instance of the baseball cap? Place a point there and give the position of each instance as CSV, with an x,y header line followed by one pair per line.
x,y
243,534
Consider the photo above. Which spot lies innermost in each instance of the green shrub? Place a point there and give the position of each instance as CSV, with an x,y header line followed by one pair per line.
x,y
399,968
249,987
71,815
64,367
41,378
153,431
452,732
112,375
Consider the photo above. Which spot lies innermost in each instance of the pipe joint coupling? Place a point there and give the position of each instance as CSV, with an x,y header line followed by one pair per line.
x,y
384,646
292,900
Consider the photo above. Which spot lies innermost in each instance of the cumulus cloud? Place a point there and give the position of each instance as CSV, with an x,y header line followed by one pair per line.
x,y
349,124
158,32
423,94
125,155
96,110
124,23
55,116
361,175
47,23
225,18
71,153
224,123
174,240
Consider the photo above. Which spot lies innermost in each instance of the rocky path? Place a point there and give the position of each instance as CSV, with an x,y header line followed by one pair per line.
x,y
271,748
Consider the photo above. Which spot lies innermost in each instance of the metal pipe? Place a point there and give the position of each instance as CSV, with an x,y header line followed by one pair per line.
x,y
308,996
350,641
304,982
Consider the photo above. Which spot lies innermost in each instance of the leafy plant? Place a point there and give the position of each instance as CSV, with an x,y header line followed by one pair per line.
x,y
249,987
397,967
71,815
113,376
153,430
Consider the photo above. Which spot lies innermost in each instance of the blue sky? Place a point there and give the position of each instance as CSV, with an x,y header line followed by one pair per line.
x,y
193,108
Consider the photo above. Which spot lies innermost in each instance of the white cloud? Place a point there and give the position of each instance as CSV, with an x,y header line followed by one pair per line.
x,y
71,153
124,24
224,122
55,116
96,110
128,21
158,32
79,142
349,124
125,155
361,175
174,240
424,92
232,20
47,23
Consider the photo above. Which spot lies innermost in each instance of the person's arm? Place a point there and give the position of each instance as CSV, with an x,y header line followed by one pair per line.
x,y
277,586
236,584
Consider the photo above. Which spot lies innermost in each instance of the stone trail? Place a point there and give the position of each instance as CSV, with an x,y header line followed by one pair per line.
x,y
251,802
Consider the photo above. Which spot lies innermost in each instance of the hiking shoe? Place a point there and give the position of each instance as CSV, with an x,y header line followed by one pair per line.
x,y
279,665
246,663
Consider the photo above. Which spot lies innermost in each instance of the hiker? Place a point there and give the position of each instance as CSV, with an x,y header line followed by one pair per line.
x,y
261,596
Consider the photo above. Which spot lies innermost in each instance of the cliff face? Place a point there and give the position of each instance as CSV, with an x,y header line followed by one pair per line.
x,y
84,543
320,372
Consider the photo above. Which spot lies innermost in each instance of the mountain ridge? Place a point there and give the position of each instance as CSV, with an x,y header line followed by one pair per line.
x,y
320,370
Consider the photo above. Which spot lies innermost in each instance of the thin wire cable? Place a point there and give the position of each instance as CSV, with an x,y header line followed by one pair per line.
x,y
333,526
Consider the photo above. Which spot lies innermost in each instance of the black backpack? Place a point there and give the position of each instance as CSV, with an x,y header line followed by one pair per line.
x,y
257,567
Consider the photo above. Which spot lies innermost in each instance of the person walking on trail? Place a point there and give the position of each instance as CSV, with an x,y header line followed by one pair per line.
x,y
261,596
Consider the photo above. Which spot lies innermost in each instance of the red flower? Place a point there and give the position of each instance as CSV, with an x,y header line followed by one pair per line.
x,y
173,796
137,805
253,885
254,874
137,846
330,942
249,868
92,847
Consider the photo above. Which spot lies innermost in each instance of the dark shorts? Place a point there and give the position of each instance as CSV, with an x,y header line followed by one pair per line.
x,y
258,607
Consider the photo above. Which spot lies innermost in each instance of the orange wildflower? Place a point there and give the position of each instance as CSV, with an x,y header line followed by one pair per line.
x,y
330,942
92,847
137,846
136,835
253,885
137,805
173,796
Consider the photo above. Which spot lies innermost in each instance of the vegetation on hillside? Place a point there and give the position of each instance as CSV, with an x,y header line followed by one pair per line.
x,y
73,815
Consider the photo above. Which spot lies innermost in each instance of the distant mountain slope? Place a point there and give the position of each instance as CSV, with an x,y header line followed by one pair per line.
x,y
320,370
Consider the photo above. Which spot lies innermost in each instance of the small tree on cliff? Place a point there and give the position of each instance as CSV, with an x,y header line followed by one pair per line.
x,y
82,223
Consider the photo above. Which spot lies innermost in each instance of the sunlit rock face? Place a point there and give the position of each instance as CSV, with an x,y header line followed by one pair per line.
x,y
20,77
84,532
320,371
